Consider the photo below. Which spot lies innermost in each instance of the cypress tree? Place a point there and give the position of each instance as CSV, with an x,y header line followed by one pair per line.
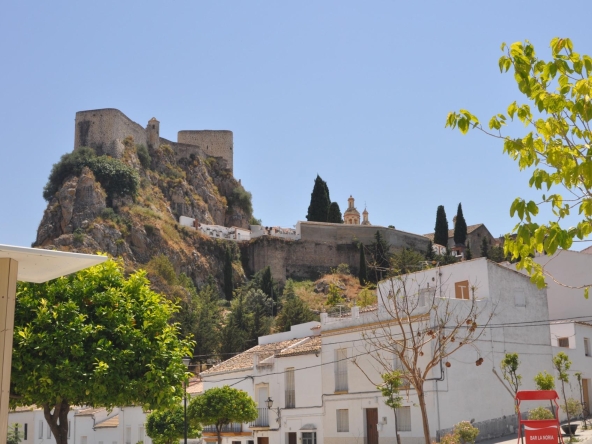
x,y
318,210
334,216
468,254
429,254
441,228
228,283
460,227
363,271
484,248
380,257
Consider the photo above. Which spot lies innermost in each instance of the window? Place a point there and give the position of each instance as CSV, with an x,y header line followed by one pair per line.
x,y
563,342
26,431
48,432
587,347
403,419
290,389
40,436
128,434
461,290
340,370
141,433
236,442
69,428
342,420
309,437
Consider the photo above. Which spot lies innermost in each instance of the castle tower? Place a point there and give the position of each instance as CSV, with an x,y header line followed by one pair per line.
x,y
153,133
365,215
351,216
215,143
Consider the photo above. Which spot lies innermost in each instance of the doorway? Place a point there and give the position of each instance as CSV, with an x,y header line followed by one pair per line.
x,y
292,438
263,440
586,393
372,426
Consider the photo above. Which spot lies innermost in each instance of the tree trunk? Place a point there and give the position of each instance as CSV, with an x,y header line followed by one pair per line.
x,y
58,420
219,432
566,412
424,415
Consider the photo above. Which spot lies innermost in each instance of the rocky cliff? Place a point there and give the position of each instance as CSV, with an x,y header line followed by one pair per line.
x,y
84,216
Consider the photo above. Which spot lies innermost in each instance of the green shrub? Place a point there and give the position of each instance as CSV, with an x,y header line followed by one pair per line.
x,y
450,438
540,413
150,229
78,235
334,296
466,432
116,178
162,266
241,198
143,156
573,407
341,269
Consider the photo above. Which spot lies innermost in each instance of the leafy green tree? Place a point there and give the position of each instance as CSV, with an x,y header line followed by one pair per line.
x,y
392,383
509,366
555,149
220,406
562,364
363,270
95,338
460,227
484,248
334,216
334,295
13,436
235,333
228,281
441,227
260,314
468,252
496,254
405,261
318,210
294,310
168,426
366,297
544,381
208,322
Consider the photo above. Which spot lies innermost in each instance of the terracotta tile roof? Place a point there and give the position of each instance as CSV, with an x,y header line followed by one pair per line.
x,y
195,386
109,422
89,411
244,360
470,229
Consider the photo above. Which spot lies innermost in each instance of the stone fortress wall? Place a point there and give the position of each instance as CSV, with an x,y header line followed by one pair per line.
x,y
105,129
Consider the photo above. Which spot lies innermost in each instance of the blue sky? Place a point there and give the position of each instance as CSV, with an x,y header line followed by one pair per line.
x,y
357,92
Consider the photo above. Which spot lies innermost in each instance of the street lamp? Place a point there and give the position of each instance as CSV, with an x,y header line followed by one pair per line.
x,y
186,361
269,403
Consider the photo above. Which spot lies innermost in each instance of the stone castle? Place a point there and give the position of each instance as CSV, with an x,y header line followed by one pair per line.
x,y
105,129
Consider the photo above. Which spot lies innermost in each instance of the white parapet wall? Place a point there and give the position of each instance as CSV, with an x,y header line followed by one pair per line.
x,y
284,233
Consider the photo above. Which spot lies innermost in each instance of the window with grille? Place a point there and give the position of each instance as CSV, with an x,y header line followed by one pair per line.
x,y
69,428
403,419
398,365
48,432
341,370
587,347
309,437
40,436
128,435
461,290
563,342
290,389
141,433
342,420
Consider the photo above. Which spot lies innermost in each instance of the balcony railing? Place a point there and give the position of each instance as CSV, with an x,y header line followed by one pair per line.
x,y
235,427
263,418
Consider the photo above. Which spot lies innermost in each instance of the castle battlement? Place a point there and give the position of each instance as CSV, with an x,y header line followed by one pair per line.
x,y
105,129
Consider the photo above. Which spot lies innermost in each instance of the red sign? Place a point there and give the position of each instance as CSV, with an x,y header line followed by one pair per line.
x,y
535,435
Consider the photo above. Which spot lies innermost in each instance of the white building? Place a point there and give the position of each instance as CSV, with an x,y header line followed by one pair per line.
x,y
354,409
124,425
284,367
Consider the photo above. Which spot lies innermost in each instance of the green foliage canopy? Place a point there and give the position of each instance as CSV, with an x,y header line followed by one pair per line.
x,y
555,150
334,216
544,381
509,366
219,406
318,210
116,178
168,426
294,310
95,338
441,227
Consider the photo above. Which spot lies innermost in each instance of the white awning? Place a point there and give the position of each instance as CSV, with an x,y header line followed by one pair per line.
x,y
308,427
37,265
